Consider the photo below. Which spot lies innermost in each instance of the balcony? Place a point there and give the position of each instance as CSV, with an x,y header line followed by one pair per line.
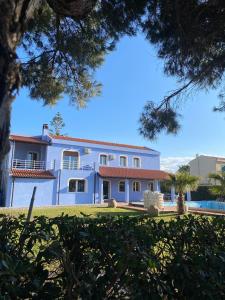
x,y
28,164
75,165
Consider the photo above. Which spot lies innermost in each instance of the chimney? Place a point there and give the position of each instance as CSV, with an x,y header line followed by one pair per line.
x,y
45,130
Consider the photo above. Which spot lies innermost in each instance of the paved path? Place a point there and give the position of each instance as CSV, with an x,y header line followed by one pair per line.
x,y
173,209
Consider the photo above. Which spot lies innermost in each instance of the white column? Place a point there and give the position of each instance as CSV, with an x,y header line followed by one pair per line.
x,y
127,191
189,195
100,192
173,194
156,186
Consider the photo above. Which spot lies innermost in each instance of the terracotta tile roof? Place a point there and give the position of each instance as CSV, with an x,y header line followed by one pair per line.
x,y
41,174
132,173
27,139
67,138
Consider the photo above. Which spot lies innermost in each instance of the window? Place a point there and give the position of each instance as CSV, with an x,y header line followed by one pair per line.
x,y
123,161
103,159
222,168
150,186
136,162
70,160
136,186
122,186
77,185
32,161
32,156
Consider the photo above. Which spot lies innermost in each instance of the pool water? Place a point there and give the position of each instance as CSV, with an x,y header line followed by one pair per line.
x,y
206,204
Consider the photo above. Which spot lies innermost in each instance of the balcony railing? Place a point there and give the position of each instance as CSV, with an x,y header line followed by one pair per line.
x,y
28,164
75,165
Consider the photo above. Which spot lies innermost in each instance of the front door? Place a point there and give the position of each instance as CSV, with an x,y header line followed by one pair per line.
x,y
106,190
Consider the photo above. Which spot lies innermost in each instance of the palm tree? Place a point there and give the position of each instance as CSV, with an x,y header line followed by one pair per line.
x,y
219,188
182,182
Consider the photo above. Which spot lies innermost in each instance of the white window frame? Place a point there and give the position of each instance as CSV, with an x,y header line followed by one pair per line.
x,y
85,185
70,150
125,156
107,159
135,189
137,157
124,186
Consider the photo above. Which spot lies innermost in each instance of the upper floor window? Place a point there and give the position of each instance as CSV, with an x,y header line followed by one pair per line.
x,y
32,156
103,159
122,186
136,162
70,160
77,185
123,161
222,168
136,186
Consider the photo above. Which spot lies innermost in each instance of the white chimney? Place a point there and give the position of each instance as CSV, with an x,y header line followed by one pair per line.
x,y
45,130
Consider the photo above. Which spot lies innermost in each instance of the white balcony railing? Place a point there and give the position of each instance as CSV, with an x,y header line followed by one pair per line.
x,y
75,165
28,164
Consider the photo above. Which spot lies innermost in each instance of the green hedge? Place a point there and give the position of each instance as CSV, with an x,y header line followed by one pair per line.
x,y
202,193
112,258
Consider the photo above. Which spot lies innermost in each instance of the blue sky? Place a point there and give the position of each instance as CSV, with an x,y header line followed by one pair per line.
x,y
131,75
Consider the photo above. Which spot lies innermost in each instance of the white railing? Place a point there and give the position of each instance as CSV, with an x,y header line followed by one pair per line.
x,y
28,164
75,165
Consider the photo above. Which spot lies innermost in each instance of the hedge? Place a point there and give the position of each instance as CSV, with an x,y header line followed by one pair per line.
x,y
202,193
112,258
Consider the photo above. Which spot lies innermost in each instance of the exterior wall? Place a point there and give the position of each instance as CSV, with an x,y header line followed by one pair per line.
x,y
149,159
220,166
22,149
201,166
20,195
67,198
133,196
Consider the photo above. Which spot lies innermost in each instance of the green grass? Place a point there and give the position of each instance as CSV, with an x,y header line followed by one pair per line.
x,y
91,211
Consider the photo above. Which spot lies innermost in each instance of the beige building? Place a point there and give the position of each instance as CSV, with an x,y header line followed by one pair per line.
x,y
202,165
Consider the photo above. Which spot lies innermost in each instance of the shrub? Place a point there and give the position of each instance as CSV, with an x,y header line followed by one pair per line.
x,y
202,193
112,258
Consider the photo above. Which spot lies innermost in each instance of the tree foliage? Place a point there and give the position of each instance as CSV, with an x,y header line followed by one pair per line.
x,y
218,182
64,42
182,182
57,124
184,169
189,37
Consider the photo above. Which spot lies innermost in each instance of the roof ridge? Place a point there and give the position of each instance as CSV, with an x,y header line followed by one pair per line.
x,y
60,137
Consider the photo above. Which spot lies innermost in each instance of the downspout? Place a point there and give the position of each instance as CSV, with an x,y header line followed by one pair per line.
x,y
59,186
12,156
94,184
12,196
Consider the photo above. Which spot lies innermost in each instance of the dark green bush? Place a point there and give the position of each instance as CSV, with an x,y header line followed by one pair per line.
x,y
202,193
112,258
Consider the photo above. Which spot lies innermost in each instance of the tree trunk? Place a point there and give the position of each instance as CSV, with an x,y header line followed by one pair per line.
x,y
180,204
14,15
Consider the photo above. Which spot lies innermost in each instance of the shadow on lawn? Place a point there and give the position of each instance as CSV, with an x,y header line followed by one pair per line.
x,y
125,213
136,213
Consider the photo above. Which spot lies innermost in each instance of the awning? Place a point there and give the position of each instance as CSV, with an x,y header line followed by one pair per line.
x,y
40,174
131,173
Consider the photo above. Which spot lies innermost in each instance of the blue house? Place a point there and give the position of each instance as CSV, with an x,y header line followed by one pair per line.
x,y
68,171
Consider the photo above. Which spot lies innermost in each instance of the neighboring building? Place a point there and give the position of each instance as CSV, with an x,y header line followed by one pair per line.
x,y
203,165
69,171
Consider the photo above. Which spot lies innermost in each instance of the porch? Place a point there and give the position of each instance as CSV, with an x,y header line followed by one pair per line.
x,y
127,184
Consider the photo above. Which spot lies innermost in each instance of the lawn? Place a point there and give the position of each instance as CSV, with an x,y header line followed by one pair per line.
x,y
91,211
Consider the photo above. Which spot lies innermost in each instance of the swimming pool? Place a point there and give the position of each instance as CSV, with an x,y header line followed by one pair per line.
x,y
206,204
